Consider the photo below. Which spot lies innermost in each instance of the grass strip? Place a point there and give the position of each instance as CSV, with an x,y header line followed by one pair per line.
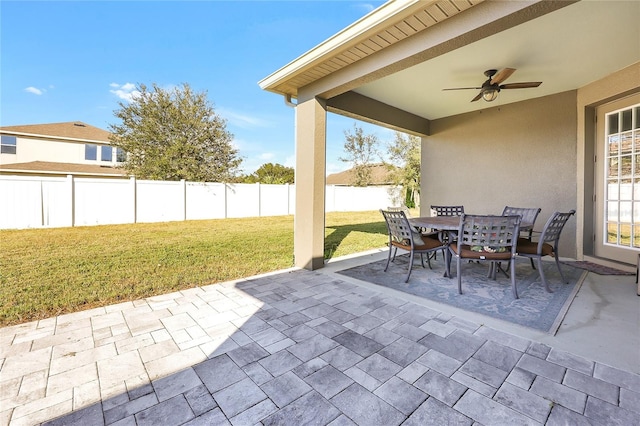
x,y
48,272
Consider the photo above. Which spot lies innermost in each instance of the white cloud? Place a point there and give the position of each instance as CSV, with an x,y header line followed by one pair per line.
x,y
366,7
126,92
267,156
34,90
290,161
241,120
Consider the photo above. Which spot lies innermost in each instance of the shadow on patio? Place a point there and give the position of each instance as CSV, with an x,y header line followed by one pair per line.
x,y
298,347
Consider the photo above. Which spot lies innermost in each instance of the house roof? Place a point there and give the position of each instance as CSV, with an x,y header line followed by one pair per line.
x,y
72,130
380,175
47,167
405,52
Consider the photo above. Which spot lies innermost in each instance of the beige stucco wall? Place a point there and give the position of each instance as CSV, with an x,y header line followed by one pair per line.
x,y
521,154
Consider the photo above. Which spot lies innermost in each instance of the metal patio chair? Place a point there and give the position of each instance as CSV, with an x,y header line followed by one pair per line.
x,y
547,244
486,238
447,211
402,235
529,215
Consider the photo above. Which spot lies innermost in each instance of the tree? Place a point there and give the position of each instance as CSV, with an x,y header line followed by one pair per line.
x,y
361,150
404,155
272,173
173,134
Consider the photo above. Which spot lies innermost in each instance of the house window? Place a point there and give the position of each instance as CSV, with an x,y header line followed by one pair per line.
x,y
106,153
121,156
90,152
8,145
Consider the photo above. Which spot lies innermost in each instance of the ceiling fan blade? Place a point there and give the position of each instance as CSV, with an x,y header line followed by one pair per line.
x,y
477,98
463,88
521,85
502,75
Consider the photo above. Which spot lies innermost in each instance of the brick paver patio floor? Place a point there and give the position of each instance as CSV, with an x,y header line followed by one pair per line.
x,y
294,348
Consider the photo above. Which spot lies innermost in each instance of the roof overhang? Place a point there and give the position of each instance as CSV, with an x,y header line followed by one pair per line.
x,y
401,55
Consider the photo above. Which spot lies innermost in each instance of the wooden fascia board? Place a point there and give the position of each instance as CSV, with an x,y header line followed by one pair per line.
x,y
360,107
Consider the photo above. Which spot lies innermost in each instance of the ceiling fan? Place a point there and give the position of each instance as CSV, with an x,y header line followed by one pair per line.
x,y
490,88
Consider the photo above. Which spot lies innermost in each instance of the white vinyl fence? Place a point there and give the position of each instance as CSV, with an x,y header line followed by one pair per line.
x,y
46,202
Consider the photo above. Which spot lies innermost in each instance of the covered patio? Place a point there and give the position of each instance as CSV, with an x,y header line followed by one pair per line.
x,y
313,347
531,147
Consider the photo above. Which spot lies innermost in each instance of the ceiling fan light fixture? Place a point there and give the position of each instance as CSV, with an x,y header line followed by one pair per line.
x,y
490,95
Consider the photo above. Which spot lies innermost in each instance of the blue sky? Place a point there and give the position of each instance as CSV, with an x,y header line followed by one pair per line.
x,y
75,60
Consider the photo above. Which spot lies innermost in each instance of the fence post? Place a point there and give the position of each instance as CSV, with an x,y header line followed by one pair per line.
x,y
134,198
72,199
183,187
42,219
286,188
259,199
226,214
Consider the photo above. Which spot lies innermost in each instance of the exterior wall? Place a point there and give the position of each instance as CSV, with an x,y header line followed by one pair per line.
x,y
33,149
521,154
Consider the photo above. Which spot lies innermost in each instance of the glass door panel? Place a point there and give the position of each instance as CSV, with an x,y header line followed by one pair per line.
x,y
618,197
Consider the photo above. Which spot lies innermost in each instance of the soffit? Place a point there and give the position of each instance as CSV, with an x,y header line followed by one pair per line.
x,y
384,27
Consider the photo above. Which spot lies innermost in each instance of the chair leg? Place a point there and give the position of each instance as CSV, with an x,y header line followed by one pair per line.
x,y
422,259
429,260
395,251
494,267
411,255
459,275
541,271
513,279
560,270
532,264
504,271
447,263
389,258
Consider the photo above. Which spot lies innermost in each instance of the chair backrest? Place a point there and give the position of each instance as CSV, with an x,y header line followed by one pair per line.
x,y
489,231
399,228
448,210
529,215
553,228
404,209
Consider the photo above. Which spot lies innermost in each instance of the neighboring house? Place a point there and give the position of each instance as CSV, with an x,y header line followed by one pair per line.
x,y
58,149
380,175
559,146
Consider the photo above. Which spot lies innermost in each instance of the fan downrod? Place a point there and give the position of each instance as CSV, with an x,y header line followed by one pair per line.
x,y
490,73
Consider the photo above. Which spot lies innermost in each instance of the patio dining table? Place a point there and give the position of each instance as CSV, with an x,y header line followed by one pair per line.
x,y
450,224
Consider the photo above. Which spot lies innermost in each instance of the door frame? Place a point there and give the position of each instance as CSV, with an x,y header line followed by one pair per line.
x,y
615,86
602,250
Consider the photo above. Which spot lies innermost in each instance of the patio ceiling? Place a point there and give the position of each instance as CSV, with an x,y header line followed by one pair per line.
x,y
566,46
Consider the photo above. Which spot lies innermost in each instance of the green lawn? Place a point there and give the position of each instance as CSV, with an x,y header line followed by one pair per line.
x,y
47,272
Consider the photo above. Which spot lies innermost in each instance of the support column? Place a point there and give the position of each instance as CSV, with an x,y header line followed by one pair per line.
x,y
308,242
